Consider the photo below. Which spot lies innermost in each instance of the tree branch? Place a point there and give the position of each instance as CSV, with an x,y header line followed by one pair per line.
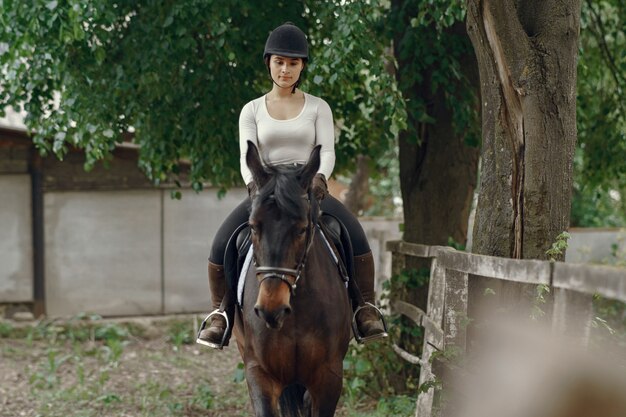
x,y
600,37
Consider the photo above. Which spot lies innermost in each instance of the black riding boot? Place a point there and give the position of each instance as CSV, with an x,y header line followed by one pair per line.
x,y
368,318
213,335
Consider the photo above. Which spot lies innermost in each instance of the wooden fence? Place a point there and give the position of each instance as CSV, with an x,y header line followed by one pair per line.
x,y
572,286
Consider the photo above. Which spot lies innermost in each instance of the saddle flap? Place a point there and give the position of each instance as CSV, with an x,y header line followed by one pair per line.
x,y
235,254
338,234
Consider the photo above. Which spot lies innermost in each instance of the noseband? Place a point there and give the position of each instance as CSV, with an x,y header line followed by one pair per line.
x,y
283,273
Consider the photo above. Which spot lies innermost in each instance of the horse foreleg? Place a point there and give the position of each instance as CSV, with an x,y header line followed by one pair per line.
x,y
264,391
326,390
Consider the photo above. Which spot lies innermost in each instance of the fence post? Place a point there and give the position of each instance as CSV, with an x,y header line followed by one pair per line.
x,y
435,313
455,309
454,334
572,314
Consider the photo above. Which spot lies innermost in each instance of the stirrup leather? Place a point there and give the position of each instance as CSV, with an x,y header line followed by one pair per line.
x,y
226,335
355,329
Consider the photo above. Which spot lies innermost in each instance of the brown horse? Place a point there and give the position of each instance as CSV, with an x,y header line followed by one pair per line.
x,y
293,329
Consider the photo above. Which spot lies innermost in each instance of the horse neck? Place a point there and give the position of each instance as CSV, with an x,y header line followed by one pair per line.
x,y
320,267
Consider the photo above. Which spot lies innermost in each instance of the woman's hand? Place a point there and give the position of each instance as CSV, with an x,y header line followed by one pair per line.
x,y
320,187
251,189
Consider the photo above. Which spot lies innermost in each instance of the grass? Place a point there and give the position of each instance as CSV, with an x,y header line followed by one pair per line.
x,y
87,367
90,367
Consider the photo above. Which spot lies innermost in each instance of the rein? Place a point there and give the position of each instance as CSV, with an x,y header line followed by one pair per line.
x,y
283,273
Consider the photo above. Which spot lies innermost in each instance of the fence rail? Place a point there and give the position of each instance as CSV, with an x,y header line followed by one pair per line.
x,y
572,286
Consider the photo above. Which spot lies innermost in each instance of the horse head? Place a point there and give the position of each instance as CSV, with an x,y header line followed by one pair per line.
x,y
282,221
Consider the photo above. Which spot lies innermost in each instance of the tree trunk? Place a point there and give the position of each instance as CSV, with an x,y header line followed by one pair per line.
x,y
357,197
438,170
527,52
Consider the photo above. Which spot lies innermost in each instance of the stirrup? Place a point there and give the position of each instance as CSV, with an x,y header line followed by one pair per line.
x,y
355,329
226,335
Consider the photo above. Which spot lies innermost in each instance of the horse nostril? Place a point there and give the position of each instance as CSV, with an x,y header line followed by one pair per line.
x,y
257,311
287,311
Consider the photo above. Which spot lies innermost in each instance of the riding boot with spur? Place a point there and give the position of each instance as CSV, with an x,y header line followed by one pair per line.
x,y
369,320
214,335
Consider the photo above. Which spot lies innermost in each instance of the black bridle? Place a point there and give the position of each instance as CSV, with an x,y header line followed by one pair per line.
x,y
283,273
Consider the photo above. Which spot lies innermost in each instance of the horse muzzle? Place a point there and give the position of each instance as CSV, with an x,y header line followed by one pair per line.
x,y
276,287
273,318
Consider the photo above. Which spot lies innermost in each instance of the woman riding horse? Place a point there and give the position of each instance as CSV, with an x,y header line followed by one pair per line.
x,y
293,327
285,125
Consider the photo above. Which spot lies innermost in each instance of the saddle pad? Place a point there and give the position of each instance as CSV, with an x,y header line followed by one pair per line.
x,y
242,277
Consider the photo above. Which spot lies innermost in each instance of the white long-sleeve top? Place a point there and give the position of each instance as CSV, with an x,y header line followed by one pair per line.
x,y
288,141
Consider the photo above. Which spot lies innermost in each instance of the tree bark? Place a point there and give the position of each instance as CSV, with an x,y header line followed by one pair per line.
x,y
438,171
527,52
357,196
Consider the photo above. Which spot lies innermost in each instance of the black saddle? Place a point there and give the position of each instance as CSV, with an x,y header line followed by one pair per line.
x,y
335,231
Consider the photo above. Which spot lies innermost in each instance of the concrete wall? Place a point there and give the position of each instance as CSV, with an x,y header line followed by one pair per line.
x,y
140,252
189,227
379,231
130,252
103,252
16,239
595,245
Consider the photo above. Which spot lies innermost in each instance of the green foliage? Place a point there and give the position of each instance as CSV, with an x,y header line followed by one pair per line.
x,y
180,333
47,376
558,247
351,72
374,370
203,397
176,75
612,314
406,280
539,300
385,186
597,205
600,179
397,406
6,329
111,332
609,323
240,373
431,49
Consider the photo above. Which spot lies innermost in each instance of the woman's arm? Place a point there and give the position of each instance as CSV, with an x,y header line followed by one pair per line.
x,y
325,136
247,132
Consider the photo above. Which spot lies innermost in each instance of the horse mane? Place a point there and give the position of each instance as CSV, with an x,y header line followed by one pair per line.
x,y
283,189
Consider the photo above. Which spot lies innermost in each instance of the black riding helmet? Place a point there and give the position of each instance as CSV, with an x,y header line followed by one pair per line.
x,y
289,41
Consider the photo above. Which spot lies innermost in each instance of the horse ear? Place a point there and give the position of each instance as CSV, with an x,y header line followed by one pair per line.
x,y
310,169
253,160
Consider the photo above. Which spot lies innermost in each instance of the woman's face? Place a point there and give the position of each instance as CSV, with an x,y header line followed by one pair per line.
x,y
285,71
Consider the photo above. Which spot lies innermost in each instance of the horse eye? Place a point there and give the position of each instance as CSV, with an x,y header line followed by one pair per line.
x,y
302,231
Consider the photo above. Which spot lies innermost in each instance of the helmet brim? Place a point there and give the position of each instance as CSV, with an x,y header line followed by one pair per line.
x,y
285,53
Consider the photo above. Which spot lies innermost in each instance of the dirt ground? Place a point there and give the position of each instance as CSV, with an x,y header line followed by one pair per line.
x,y
145,367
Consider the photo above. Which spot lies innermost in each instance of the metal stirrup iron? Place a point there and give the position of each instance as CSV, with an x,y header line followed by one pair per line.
x,y
355,329
225,337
